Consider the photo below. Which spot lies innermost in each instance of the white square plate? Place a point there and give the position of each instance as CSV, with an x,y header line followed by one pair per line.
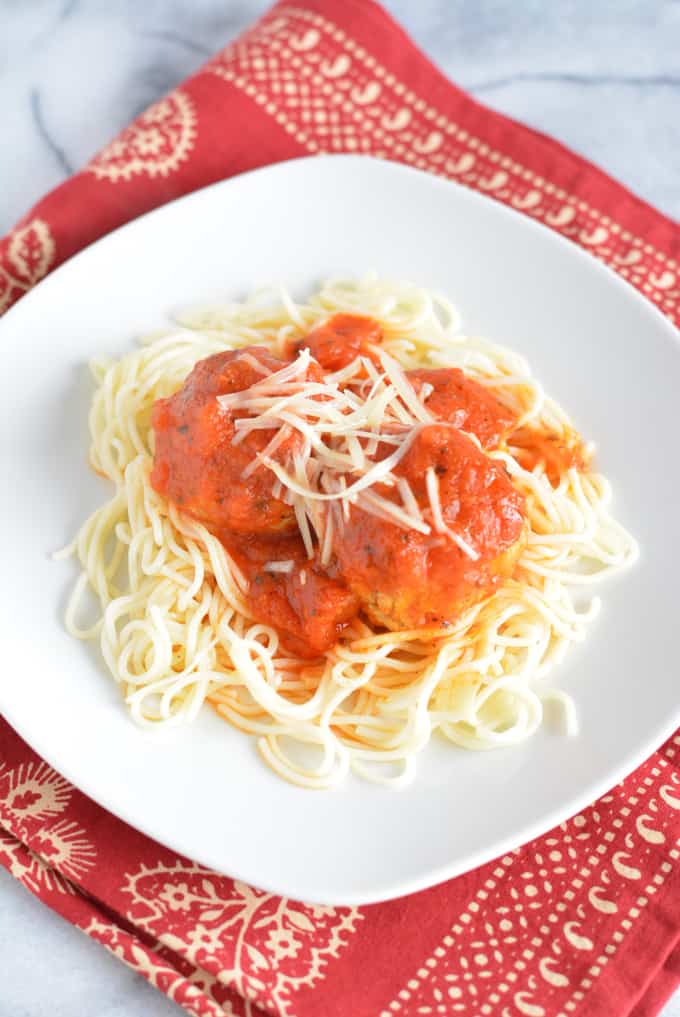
x,y
600,350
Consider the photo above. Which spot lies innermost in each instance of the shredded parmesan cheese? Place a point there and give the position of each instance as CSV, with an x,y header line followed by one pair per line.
x,y
397,376
432,484
333,430
280,566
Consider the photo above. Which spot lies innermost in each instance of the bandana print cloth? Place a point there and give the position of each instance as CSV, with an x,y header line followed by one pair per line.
x,y
583,921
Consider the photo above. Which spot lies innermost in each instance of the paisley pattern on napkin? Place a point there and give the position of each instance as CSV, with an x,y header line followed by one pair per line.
x,y
26,256
332,95
548,919
41,843
531,934
155,144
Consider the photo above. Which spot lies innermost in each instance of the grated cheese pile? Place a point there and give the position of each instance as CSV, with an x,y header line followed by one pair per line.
x,y
342,421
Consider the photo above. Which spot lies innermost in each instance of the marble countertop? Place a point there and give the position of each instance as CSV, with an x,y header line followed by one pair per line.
x,y
602,77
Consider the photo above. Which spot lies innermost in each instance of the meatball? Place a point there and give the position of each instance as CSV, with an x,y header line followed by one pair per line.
x,y
462,401
197,464
308,608
341,339
407,579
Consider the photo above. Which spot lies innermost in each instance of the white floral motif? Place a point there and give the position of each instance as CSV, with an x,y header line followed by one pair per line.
x,y
155,144
65,847
282,943
203,938
198,992
26,255
32,790
177,897
31,796
261,946
26,866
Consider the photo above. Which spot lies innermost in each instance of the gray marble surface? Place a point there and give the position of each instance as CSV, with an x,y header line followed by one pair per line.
x,y
603,76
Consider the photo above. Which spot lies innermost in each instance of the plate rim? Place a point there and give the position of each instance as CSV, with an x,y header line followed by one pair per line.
x,y
473,859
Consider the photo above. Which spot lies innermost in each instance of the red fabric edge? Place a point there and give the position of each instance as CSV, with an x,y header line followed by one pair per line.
x,y
664,983
557,163
549,158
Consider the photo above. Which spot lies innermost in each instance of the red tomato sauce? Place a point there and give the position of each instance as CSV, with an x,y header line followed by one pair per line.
x,y
341,339
396,578
198,466
406,579
464,403
557,453
309,609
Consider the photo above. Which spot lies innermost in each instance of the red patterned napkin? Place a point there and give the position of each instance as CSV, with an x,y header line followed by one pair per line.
x,y
583,921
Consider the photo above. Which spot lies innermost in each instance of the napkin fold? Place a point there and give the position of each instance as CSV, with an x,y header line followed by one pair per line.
x,y
583,921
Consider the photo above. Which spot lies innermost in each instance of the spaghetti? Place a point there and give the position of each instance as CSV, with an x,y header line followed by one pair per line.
x,y
175,618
